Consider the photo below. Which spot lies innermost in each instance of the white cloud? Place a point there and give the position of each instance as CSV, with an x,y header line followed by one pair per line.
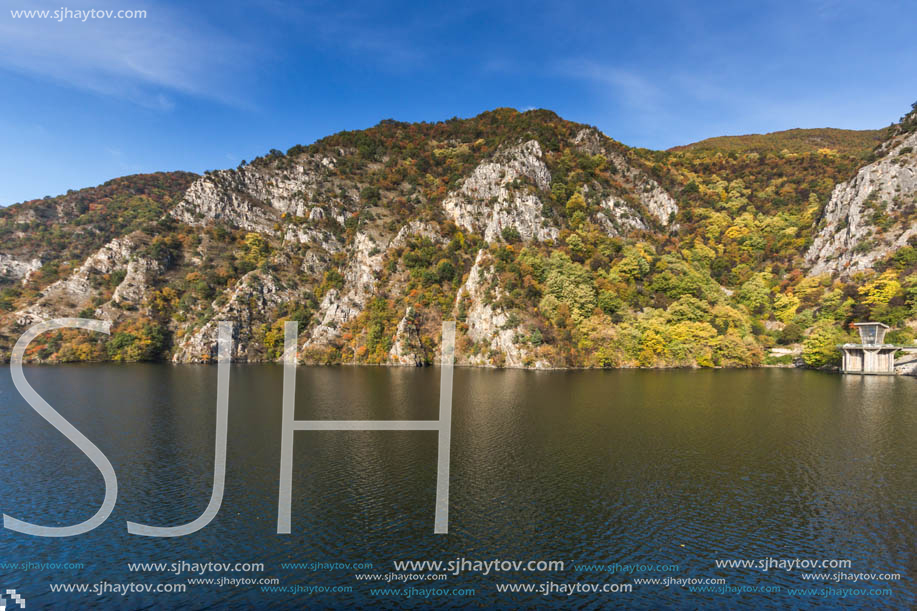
x,y
146,61
356,32
626,86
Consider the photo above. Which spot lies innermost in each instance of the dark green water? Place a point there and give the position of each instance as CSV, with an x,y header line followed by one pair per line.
x,y
632,467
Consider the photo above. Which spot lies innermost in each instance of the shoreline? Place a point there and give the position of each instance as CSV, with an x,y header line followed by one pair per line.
x,y
6,362
832,370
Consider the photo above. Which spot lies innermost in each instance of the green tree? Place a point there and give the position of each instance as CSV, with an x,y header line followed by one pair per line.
x,y
256,250
790,334
910,293
881,290
755,294
820,348
510,234
785,306
577,203
688,309
571,285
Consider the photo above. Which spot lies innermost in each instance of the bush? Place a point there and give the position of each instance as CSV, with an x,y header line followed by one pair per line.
x,y
784,359
445,270
510,235
820,349
791,334
370,195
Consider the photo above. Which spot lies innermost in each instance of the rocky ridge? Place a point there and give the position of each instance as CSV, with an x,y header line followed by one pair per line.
x,y
369,248
871,215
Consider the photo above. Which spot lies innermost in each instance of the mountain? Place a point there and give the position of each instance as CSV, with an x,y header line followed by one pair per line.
x,y
859,143
551,244
871,216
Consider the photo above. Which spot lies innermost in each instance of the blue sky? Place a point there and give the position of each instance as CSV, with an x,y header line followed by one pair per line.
x,y
198,85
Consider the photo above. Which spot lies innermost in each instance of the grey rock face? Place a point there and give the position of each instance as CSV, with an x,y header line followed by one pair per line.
x,y
487,323
256,295
407,349
11,267
655,200
618,218
254,197
340,306
70,295
503,193
850,239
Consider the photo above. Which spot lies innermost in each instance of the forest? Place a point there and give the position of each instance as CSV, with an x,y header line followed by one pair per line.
x,y
720,285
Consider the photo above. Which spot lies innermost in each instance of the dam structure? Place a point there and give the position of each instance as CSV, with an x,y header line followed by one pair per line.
x,y
872,356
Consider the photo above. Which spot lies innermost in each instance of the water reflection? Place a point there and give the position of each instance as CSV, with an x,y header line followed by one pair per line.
x,y
679,467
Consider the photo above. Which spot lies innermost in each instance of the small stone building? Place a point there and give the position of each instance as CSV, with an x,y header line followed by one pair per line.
x,y
872,355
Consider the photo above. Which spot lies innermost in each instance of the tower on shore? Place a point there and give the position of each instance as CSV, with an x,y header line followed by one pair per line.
x,y
872,355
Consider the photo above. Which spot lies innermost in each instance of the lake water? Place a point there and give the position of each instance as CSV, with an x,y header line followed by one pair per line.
x,y
672,470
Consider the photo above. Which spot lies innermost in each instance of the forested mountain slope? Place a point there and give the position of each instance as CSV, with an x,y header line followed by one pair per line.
x,y
858,143
551,244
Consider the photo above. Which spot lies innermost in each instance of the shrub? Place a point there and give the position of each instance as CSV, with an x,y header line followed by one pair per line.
x,y
510,235
791,334
820,349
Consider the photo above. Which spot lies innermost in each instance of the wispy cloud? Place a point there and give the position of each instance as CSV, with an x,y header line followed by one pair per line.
x,y
146,61
349,29
121,161
381,35
626,86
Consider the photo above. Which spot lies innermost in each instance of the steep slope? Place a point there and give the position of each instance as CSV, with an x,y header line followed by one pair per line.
x,y
551,244
306,233
56,230
507,195
872,215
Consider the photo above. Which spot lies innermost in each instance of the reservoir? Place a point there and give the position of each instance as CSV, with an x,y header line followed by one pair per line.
x,y
665,471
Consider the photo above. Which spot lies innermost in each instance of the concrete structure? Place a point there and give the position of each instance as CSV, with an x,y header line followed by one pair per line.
x,y
872,356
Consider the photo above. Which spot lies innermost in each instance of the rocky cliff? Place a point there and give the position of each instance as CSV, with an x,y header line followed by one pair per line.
x,y
550,243
871,215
